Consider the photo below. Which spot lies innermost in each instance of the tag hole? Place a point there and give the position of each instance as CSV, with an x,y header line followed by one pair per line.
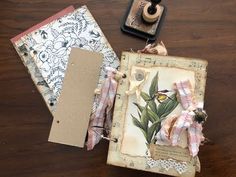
x,y
115,140
124,76
51,104
58,121
35,52
25,54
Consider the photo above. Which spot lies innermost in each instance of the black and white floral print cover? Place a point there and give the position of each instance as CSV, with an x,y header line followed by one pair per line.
x,y
49,48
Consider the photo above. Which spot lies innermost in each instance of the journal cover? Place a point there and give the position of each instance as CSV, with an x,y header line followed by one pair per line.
x,y
147,101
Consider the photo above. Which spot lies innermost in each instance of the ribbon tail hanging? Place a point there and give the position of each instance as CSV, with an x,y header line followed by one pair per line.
x,y
101,118
110,104
182,123
195,138
97,119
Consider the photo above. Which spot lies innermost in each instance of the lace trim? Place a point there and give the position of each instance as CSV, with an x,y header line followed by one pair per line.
x,y
180,167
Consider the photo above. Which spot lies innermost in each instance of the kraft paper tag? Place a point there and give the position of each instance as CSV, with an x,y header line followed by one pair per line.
x,y
169,152
75,103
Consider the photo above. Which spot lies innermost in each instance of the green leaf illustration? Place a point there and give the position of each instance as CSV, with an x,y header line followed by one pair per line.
x,y
167,106
153,106
140,108
158,128
145,96
153,117
139,125
154,86
136,122
139,115
144,119
151,131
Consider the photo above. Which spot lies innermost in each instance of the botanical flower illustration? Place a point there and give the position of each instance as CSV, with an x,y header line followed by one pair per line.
x,y
151,115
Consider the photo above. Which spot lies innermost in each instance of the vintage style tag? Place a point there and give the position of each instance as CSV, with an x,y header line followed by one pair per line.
x,y
75,103
168,152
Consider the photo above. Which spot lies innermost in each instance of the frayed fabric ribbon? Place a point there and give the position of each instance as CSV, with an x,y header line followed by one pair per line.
x,y
158,49
190,119
139,77
102,117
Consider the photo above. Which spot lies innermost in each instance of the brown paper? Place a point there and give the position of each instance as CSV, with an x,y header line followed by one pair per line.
x,y
169,152
72,115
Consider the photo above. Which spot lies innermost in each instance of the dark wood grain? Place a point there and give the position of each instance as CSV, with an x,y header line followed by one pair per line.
x,y
196,28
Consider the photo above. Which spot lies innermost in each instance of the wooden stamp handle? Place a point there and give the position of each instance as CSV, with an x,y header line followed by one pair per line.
x,y
152,8
151,11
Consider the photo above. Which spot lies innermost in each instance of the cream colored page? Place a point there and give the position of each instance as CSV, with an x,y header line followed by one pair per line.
x,y
133,142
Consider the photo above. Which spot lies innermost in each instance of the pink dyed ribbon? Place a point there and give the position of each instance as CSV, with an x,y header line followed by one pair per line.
x,y
158,49
103,114
184,122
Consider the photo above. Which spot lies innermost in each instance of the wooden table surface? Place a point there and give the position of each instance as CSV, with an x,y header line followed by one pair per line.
x,y
196,28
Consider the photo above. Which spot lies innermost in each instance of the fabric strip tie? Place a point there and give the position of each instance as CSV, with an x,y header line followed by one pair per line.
x,y
183,122
158,49
102,117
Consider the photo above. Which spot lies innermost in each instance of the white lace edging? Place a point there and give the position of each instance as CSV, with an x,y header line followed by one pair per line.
x,y
180,167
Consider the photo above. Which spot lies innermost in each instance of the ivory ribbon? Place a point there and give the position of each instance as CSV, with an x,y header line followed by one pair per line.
x,y
173,127
102,117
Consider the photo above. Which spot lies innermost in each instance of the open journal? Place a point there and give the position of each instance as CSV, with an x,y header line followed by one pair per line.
x,y
148,110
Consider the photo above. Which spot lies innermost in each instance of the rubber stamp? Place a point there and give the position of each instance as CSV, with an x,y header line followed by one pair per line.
x,y
143,19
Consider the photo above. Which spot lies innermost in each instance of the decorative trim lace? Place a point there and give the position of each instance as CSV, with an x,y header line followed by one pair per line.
x,y
180,167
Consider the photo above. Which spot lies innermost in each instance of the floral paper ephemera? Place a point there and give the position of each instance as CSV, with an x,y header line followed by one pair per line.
x,y
51,45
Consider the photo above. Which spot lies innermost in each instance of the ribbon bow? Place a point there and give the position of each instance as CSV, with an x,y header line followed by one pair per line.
x,y
103,114
190,119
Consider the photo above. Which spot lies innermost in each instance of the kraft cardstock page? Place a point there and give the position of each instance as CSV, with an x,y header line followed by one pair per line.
x,y
71,118
139,116
45,50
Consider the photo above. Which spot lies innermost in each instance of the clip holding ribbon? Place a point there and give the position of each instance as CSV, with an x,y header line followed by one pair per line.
x,y
190,119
